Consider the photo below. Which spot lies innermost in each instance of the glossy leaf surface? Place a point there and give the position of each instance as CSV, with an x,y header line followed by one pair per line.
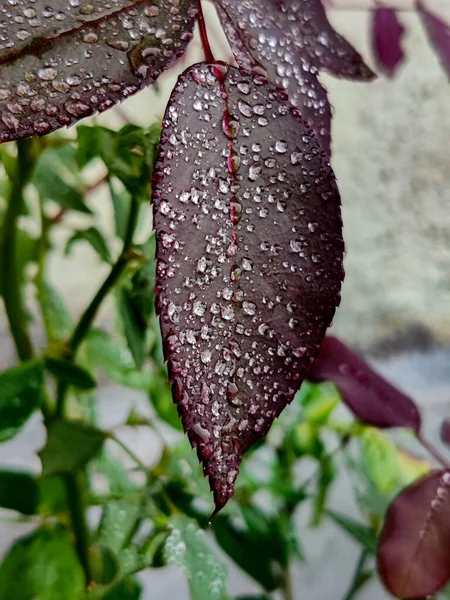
x,y
387,34
249,251
291,42
371,398
414,546
64,61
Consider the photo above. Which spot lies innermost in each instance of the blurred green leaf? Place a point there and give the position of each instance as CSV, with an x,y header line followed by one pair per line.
x,y
305,440
43,565
70,445
127,589
319,402
117,523
327,474
121,200
27,251
53,496
134,329
160,395
359,532
20,396
116,473
19,491
116,361
252,598
142,295
379,461
70,373
58,322
95,238
187,547
54,179
104,564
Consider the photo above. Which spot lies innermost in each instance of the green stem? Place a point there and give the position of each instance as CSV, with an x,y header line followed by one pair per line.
x,y
286,584
87,318
12,292
355,584
77,507
130,453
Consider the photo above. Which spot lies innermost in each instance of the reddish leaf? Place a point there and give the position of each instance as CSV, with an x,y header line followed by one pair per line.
x,y
439,33
387,33
414,546
292,41
62,61
249,250
445,431
370,397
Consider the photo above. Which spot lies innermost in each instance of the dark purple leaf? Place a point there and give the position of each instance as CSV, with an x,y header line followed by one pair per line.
x,y
387,33
370,397
291,42
439,34
414,546
249,251
62,61
445,431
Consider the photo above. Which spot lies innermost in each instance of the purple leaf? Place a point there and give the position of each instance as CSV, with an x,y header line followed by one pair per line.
x,y
439,34
387,33
370,397
414,546
249,250
445,431
60,62
291,42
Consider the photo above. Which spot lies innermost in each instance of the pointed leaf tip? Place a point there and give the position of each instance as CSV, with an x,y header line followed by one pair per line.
x,y
291,42
438,33
249,258
387,34
81,58
413,549
368,395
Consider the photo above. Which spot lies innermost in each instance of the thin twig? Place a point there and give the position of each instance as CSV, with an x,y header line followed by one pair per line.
x,y
440,458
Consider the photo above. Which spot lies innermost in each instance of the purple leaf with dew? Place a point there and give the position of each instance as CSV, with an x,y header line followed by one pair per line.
x,y
291,42
414,546
62,61
249,252
371,398
387,34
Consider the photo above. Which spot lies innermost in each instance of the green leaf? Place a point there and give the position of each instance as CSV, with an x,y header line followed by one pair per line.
x,y
70,445
20,396
19,491
116,361
327,474
58,322
95,238
359,532
104,564
70,373
160,396
27,251
142,296
53,496
54,180
121,200
117,523
320,402
43,565
187,547
127,589
134,329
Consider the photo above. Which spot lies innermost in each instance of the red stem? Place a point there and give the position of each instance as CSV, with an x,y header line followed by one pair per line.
x,y
209,56
440,458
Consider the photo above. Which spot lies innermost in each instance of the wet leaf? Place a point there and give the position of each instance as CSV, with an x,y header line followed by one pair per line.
x,y
70,373
439,34
249,254
42,565
83,58
94,238
20,396
370,397
187,547
445,431
70,445
292,42
387,34
414,546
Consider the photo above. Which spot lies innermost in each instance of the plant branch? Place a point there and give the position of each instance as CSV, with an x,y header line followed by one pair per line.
x,y
209,56
440,458
87,318
130,453
286,584
355,584
77,507
12,292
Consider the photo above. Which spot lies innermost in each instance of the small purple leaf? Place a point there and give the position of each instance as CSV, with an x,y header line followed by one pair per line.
x,y
291,42
414,546
445,431
61,61
249,251
370,397
439,34
387,33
